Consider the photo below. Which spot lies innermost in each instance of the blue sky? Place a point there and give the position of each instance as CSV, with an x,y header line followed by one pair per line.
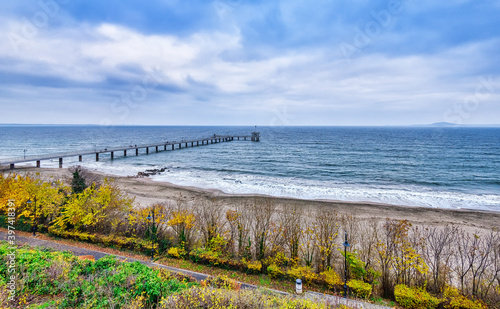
x,y
242,62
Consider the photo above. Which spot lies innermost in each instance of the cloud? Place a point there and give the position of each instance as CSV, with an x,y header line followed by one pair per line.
x,y
241,67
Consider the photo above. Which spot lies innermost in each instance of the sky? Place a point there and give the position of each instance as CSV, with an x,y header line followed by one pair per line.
x,y
243,62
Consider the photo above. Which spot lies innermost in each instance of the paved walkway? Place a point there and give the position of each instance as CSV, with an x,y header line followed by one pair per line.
x,y
33,241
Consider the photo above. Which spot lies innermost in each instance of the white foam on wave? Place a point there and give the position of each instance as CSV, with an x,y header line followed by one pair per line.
x,y
312,189
296,187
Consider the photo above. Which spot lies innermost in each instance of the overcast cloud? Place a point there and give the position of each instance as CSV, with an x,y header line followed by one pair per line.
x,y
242,62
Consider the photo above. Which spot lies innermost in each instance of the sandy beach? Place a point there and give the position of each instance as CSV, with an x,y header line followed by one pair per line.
x,y
147,192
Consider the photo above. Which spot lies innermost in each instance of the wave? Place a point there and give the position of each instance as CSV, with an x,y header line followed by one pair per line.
x,y
398,194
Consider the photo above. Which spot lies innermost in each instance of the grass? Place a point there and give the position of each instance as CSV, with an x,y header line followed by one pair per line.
x,y
48,279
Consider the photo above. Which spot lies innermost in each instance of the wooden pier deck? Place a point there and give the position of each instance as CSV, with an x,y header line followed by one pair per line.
x,y
167,145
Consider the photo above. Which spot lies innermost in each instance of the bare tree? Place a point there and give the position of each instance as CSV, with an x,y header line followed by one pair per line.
x,y
461,266
326,232
438,252
368,240
480,257
291,221
239,221
261,212
308,244
210,219
351,224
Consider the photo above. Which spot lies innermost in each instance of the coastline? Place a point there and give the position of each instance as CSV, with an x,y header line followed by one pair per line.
x,y
147,191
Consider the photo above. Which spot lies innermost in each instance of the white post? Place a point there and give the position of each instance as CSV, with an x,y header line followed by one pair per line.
x,y
298,286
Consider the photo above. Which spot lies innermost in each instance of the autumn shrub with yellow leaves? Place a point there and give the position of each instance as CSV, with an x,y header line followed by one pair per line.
x,y
302,272
96,208
48,197
454,300
414,298
360,288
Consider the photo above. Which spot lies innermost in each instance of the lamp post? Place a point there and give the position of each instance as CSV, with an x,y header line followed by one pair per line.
x,y
346,244
152,226
33,225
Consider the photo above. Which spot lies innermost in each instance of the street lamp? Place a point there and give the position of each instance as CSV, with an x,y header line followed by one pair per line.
x,y
152,226
346,244
33,225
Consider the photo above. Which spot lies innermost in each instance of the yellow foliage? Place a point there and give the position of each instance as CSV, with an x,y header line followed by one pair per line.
x,y
176,252
94,205
255,266
331,278
414,298
302,272
20,189
359,288
182,217
458,301
274,271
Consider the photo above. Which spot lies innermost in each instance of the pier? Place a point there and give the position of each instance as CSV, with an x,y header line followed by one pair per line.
x,y
156,147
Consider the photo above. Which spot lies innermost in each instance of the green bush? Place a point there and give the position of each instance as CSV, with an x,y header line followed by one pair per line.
x,y
74,283
414,298
22,224
360,288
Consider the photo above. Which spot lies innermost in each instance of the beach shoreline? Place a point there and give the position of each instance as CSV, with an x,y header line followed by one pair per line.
x,y
147,191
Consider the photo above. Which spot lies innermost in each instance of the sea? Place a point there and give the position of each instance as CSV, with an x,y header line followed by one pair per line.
x,y
441,167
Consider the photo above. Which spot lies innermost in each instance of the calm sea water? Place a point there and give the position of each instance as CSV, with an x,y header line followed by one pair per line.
x,y
434,167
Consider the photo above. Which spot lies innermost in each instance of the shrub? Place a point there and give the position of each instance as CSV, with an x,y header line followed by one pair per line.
x,y
176,252
454,300
279,259
222,282
302,272
255,266
331,278
274,271
204,256
75,283
359,288
115,241
217,298
414,298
